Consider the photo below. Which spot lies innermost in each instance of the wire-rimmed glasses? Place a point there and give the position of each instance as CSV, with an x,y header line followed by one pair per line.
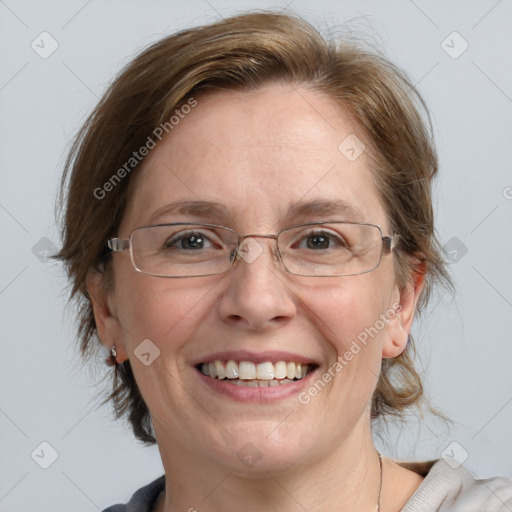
x,y
316,249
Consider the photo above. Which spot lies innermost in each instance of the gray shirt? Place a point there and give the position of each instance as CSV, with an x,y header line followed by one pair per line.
x,y
444,489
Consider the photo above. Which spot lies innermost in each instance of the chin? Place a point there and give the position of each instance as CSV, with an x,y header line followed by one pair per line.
x,y
258,448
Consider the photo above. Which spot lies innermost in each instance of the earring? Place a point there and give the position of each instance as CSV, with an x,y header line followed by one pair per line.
x,y
112,361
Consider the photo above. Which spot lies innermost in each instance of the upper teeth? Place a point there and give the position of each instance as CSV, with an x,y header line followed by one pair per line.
x,y
246,370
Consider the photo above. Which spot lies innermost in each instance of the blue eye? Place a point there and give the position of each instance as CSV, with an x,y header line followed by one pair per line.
x,y
323,240
192,240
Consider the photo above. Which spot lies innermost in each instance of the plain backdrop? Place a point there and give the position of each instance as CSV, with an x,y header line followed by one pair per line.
x,y
458,55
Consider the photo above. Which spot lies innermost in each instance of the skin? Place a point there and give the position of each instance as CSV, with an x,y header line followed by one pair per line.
x,y
258,153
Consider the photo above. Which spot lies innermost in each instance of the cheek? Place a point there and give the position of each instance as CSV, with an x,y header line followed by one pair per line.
x,y
344,314
349,312
160,310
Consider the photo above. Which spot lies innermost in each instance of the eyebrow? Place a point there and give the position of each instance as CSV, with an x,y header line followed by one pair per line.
x,y
323,208
197,208
300,210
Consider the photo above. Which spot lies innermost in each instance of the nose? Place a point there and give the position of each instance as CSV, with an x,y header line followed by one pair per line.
x,y
258,295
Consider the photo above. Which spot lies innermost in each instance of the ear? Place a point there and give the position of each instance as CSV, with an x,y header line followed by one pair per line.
x,y
406,300
108,326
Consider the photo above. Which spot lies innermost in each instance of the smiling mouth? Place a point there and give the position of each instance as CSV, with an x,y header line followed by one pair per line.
x,y
249,374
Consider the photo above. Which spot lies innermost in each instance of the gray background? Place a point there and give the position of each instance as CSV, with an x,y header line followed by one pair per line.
x,y
465,343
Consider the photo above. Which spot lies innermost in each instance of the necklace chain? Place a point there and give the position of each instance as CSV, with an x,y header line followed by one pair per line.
x,y
380,485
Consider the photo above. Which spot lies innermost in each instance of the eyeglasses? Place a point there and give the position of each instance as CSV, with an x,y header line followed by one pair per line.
x,y
316,249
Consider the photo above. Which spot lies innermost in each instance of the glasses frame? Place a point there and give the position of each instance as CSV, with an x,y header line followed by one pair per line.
x,y
389,243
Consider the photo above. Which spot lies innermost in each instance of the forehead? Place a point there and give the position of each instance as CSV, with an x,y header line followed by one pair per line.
x,y
258,154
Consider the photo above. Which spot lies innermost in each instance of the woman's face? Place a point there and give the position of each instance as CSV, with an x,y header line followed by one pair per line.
x,y
258,154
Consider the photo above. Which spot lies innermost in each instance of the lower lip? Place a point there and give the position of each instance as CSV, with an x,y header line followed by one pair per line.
x,y
262,395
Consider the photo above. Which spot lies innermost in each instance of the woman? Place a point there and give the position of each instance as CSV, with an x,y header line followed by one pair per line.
x,y
248,227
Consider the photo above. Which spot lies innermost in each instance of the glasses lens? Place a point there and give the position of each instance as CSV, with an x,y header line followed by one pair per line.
x,y
179,250
331,249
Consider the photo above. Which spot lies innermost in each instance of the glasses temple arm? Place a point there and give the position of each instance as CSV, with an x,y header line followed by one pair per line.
x,y
390,242
118,244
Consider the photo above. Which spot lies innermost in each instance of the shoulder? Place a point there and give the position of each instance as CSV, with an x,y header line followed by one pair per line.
x,y
143,500
449,486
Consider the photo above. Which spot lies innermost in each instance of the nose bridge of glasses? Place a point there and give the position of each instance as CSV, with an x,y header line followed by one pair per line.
x,y
256,235
250,251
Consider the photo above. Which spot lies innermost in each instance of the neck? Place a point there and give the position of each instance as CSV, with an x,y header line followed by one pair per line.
x,y
346,479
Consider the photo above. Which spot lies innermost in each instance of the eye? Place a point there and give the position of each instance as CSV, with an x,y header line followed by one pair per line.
x,y
322,239
189,241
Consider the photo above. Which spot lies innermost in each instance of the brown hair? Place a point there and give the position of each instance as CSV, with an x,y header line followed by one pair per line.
x,y
247,52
